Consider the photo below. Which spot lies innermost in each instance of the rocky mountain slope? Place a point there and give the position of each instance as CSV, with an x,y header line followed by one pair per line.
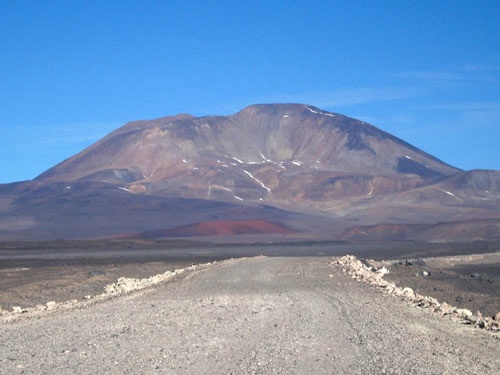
x,y
294,169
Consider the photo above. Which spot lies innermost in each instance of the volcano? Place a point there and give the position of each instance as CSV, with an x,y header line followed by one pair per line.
x,y
282,170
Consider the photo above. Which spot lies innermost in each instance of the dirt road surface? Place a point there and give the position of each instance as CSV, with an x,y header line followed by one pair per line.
x,y
249,316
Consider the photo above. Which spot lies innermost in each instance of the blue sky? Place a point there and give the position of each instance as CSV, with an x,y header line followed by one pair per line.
x,y
72,71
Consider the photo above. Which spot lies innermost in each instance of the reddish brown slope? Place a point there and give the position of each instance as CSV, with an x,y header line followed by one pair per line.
x,y
221,228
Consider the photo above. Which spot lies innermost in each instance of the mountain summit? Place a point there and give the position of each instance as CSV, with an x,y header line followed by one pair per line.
x,y
258,153
295,167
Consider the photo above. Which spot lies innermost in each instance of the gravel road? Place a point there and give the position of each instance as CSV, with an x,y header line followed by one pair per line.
x,y
249,316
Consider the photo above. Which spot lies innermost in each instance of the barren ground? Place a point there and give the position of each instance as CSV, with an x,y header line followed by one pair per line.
x,y
258,315
464,275
467,281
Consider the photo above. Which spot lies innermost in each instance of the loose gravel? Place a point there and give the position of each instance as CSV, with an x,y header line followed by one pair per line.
x,y
249,316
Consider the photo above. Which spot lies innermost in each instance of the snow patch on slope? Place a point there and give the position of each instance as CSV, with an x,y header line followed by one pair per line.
x,y
320,113
265,158
257,180
125,189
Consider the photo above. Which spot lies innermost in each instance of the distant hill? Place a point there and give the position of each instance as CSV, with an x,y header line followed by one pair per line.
x,y
282,169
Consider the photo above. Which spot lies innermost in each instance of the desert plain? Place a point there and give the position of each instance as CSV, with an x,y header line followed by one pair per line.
x,y
465,274
248,308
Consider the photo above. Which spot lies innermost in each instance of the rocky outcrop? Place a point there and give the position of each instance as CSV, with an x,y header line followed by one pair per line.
x,y
363,271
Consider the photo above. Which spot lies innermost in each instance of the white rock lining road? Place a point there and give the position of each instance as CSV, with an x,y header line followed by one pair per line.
x,y
373,276
123,285
254,315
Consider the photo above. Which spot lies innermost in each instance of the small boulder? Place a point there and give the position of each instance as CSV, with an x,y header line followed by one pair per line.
x,y
446,308
409,292
96,272
398,291
416,262
383,271
464,313
472,319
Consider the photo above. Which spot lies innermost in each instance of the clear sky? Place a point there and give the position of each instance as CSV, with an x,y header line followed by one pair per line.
x,y
72,71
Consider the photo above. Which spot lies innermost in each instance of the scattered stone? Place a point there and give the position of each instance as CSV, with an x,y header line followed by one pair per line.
x,y
17,309
383,271
446,308
409,292
476,275
464,313
433,301
123,285
51,305
70,303
426,273
361,271
96,272
472,319
414,262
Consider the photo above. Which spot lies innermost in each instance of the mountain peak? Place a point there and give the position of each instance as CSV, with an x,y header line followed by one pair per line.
x,y
262,169
269,135
282,109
